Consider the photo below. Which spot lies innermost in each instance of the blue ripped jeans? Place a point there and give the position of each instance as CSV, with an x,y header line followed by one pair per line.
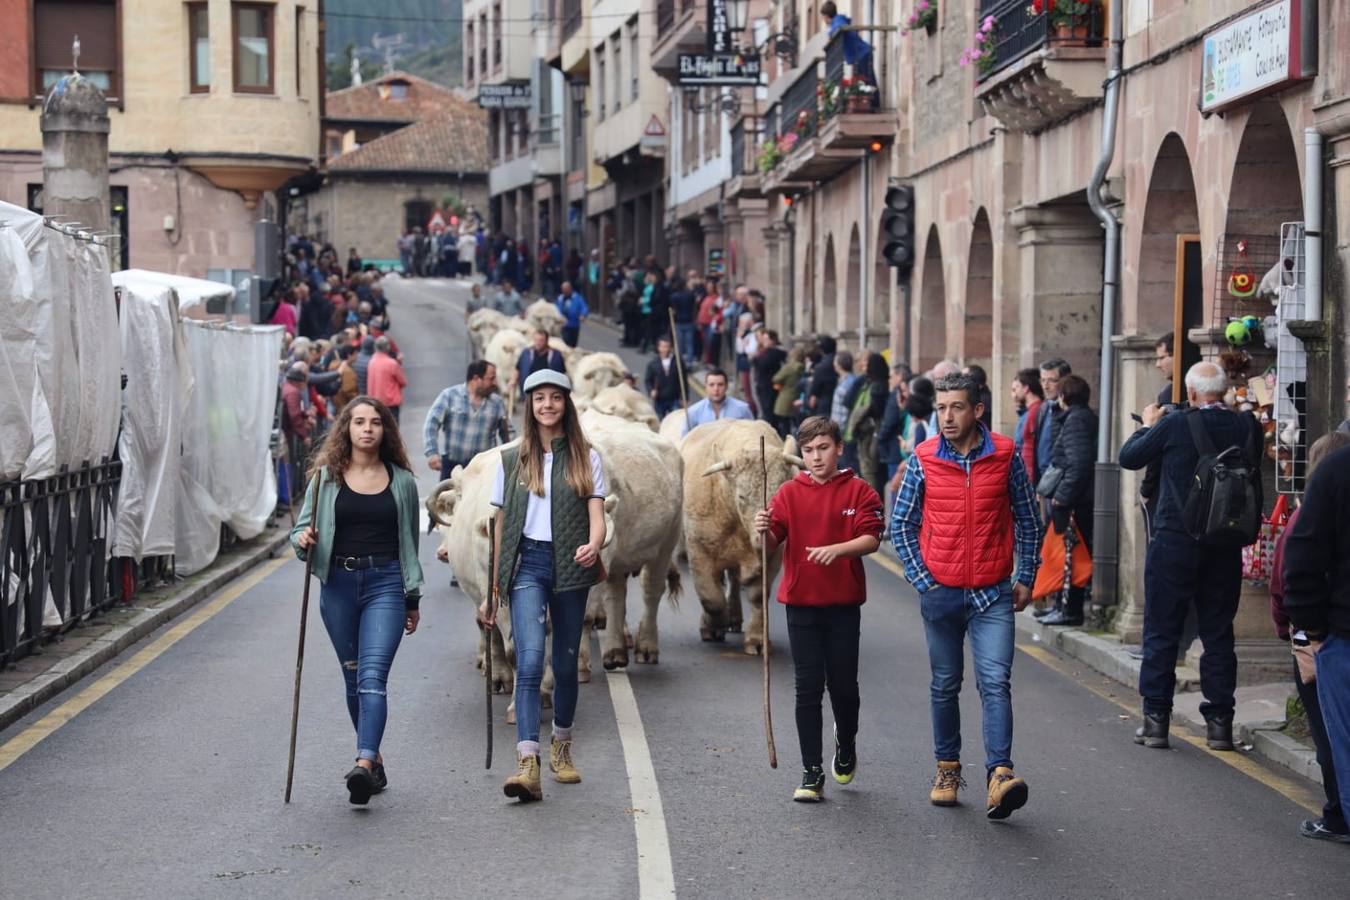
x,y
532,601
948,617
364,613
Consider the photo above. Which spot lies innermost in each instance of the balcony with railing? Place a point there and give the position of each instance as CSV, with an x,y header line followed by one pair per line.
x,y
571,18
745,175
681,27
827,118
1039,68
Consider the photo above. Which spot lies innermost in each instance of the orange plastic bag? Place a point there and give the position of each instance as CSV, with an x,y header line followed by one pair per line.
x,y
1050,578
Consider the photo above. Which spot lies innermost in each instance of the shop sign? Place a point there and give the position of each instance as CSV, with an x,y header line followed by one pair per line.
x,y
719,27
731,69
512,95
717,264
1254,54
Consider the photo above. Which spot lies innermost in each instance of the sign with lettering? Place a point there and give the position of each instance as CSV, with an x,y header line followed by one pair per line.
x,y
719,27
1255,54
731,69
512,95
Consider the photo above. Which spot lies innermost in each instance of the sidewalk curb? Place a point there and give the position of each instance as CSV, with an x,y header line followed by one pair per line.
x,y
1110,658
24,699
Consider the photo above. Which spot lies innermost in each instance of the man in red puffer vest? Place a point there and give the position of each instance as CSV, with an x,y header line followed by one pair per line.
x,y
967,530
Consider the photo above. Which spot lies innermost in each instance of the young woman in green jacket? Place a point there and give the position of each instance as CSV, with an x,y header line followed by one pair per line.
x,y
365,554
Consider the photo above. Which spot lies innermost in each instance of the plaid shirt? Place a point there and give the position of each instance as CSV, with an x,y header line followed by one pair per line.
x,y
907,520
468,431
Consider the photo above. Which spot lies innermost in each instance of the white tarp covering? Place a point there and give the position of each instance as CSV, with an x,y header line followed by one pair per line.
x,y
192,292
150,446
227,473
26,333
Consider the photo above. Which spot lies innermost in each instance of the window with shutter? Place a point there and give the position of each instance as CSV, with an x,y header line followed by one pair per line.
x,y
55,26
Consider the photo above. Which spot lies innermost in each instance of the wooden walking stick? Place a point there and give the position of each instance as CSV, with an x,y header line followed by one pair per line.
x,y
487,632
764,612
300,652
679,364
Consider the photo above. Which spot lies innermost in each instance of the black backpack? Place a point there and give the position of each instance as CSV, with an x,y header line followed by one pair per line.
x,y
1223,506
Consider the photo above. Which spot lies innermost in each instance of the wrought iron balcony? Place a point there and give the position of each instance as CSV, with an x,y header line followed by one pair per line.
x,y
1039,71
680,28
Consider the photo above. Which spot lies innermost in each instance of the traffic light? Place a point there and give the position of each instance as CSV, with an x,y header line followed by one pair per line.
x,y
897,224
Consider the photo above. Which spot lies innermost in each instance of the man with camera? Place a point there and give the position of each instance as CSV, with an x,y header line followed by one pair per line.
x,y
1209,507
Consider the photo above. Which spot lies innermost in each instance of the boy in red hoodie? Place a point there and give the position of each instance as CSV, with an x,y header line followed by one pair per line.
x,y
828,519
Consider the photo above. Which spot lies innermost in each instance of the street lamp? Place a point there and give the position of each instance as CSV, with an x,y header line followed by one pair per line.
x,y
728,104
738,14
576,88
782,44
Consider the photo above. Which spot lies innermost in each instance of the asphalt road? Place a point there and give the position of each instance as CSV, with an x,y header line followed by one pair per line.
x,y
170,784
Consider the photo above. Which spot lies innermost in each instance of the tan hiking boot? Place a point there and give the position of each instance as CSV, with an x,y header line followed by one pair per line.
x,y
560,763
1007,792
524,785
946,783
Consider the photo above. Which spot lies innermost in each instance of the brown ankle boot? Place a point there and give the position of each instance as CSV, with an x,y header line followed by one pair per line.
x,y
1007,792
946,783
524,785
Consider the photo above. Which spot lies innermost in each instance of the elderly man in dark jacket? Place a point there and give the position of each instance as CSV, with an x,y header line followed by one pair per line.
x,y
1074,455
1178,570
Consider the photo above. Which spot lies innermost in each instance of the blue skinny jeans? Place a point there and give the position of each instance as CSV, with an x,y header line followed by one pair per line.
x,y
364,613
533,601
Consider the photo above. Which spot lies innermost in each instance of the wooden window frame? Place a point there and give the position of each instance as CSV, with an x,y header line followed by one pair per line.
x,y
35,89
193,87
235,8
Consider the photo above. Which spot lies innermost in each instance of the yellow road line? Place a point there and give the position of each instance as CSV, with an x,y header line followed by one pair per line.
x,y
1291,790
52,722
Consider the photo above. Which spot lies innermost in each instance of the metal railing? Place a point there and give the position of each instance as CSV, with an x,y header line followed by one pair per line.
x,y
665,16
571,10
54,545
549,131
1020,32
740,165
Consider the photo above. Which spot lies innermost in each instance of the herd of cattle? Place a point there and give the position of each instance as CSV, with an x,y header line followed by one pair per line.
x,y
653,513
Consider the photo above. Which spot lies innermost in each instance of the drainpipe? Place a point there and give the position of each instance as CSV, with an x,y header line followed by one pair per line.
x,y
1312,225
1106,499
864,254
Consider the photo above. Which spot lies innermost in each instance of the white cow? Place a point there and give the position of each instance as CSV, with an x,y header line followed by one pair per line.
x,y
724,490
595,372
624,402
643,474
543,314
482,325
672,427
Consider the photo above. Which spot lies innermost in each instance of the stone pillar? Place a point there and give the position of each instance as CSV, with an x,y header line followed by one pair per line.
x,y
714,236
1060,295
75,153
774,237
1137,386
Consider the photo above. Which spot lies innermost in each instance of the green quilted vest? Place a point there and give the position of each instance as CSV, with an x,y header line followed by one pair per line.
x,y
569,518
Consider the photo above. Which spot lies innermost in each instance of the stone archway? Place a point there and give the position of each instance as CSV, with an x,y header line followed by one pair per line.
x,y
852,299
829,292
932,344
1265,189
977,344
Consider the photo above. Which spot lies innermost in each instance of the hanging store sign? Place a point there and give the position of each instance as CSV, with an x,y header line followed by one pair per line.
x,y
1255,54
719,27
512,95
731,69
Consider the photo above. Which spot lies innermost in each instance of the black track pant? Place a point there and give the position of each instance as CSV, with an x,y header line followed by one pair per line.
x,y
824,643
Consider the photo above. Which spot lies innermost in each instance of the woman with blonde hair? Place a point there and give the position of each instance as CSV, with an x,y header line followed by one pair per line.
x,y
363,499
549,494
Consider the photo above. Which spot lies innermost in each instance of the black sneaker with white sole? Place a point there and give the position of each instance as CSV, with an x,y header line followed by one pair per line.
x,y
813,786
360,785
1317,830
845,764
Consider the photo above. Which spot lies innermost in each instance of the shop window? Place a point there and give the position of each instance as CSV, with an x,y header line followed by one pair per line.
x,y
253,47
199,48
55,25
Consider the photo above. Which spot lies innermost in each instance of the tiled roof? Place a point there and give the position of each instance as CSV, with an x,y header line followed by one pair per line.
x,y
374,100
450,142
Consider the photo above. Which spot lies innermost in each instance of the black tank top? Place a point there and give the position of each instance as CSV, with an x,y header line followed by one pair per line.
x,y
366,524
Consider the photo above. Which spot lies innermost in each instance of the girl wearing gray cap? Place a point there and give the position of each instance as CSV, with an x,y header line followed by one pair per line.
x,y
549,495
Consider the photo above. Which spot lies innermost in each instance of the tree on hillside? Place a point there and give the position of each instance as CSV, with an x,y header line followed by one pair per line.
x,y
340,69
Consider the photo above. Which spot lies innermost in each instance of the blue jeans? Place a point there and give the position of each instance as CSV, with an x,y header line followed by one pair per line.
x,y
947,618
1333,692
532,601
364,613
684,338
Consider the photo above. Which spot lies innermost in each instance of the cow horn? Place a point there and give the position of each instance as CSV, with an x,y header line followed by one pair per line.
x,y
434,496
795,460
723,466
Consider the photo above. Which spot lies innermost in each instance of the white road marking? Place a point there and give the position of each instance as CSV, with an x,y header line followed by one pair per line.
x,y
656,876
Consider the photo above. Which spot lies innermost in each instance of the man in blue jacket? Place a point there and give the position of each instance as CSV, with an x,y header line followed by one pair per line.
x,y
574,309
857,52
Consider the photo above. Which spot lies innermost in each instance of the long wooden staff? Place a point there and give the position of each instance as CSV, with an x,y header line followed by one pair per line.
x,y
764,612
488,630
304,617
679,364
1070,540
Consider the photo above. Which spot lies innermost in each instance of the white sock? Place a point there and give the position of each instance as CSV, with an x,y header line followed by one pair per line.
x,y
560,733
528,748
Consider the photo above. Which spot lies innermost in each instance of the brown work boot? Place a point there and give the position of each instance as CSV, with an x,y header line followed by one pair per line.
x,y
1007,792
560,762
946,783
524,785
